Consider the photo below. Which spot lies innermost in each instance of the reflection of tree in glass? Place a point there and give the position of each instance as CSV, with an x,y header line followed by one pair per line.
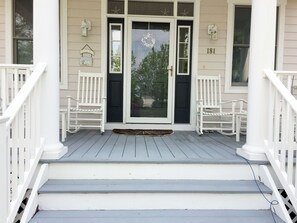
x,y
24,31
23,28
150,77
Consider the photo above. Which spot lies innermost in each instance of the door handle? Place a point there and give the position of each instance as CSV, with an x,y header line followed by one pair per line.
x,y
169,69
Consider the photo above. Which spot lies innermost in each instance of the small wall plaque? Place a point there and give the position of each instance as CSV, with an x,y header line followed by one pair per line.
x,y
86,58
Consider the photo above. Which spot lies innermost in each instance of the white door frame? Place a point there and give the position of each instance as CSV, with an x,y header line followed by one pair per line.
x,y
172,50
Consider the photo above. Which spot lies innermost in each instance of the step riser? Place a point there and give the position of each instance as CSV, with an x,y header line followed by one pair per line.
x,y
151,171
139,201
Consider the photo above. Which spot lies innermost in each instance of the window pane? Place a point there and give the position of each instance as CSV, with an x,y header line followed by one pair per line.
x,y
183,50
242,25
185,9
24,51
116,6
23,18
150,8
240,62
240,66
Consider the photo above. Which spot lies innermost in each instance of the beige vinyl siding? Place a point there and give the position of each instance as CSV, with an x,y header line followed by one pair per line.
x,y
2,31
290,40
78,10
214,12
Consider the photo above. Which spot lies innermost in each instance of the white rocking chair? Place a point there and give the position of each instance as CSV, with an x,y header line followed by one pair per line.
x,y
210,113
87,110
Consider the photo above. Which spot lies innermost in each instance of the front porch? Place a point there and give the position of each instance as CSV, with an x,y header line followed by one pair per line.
x,y
179,147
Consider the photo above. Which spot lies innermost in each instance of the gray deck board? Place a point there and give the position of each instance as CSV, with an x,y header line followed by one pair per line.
x,y
179,147
153,186
156,216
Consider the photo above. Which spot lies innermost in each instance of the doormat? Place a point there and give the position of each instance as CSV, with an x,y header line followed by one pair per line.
x,y
150,132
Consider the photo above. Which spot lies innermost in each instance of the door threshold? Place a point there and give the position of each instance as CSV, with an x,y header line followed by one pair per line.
x,y
174,127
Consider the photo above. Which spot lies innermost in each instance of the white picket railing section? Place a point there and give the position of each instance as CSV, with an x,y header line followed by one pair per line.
x,y
280,146
12,78
21,144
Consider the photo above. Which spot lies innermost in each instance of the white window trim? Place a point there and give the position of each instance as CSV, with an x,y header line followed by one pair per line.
x,y
64,44
229,43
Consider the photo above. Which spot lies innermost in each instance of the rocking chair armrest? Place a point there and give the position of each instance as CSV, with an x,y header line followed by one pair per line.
x,y
69,99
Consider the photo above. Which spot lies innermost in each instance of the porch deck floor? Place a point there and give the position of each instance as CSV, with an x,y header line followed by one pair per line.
x,y
179,147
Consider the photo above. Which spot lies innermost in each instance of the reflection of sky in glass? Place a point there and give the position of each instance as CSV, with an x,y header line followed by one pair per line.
x,y
116,35
139,50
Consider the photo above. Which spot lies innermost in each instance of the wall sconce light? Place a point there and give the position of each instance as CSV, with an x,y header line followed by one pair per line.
x,y
86,26
212,32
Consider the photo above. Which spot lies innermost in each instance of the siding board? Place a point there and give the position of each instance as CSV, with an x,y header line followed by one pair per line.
x,y
290,42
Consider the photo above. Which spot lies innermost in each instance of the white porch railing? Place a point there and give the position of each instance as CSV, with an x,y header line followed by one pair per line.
x,y
281,146
12,78
21,144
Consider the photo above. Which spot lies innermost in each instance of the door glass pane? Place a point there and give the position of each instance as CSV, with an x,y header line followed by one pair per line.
x,y
183,50
115,53
149,75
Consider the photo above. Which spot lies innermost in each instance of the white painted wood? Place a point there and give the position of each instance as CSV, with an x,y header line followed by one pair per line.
x,y
87,109
24,149
32,203
262,51
211,112
12,79
4,186
150,201
280,208
281,142
150,171
46,48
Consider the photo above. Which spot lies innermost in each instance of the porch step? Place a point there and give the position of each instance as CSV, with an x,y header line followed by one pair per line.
x,y
143,170
156,216
152,194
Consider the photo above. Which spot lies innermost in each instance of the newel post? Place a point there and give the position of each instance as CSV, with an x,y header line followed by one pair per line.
x,y
4,184
262,51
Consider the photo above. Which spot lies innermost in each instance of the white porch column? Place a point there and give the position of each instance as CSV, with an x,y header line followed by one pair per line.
x,y
262,51
46,49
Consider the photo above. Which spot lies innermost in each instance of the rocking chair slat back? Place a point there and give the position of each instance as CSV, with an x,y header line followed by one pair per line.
x,y
90,89
209,91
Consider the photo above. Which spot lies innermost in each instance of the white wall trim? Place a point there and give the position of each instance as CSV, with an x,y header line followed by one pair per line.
x,y
64,44
195,61
104,49
8,32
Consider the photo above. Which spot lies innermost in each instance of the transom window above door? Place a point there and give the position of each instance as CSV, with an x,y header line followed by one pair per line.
x,y
153,7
